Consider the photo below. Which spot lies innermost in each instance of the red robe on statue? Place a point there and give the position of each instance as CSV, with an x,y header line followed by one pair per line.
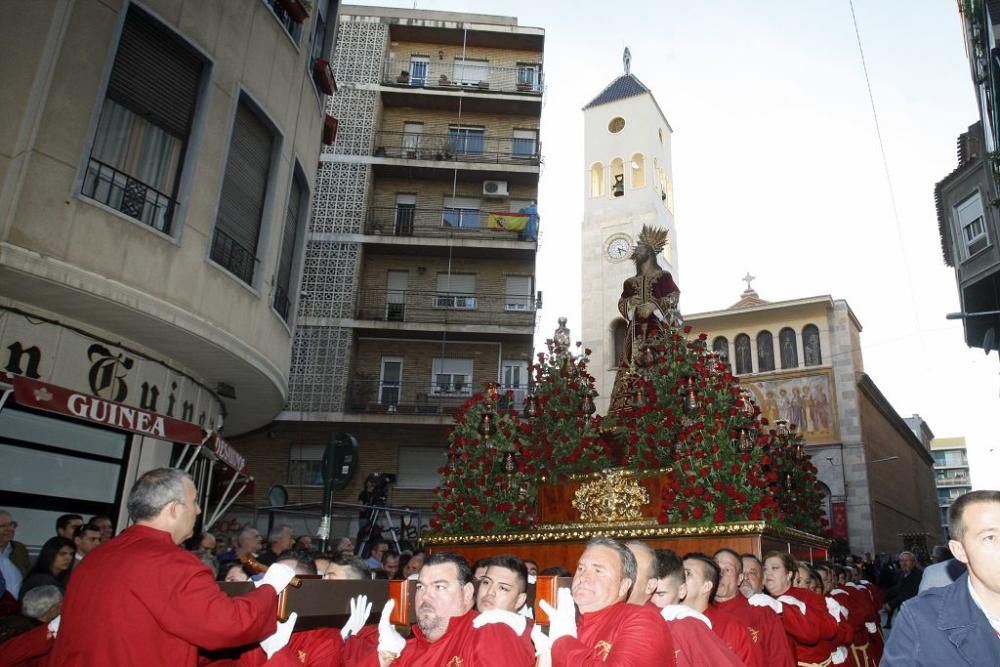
x,y
765,628
142,600
695,645
736,635
621,634
493,645
810,634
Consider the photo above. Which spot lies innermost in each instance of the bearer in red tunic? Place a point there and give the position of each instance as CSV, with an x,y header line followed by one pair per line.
x,y
449,632
142,600
610,631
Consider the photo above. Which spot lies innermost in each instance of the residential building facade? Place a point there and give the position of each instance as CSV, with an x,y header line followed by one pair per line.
x,y
158,163
802,361
951,475
420,260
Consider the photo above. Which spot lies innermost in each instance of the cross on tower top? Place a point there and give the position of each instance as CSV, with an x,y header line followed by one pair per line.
x,y
748,279
627,60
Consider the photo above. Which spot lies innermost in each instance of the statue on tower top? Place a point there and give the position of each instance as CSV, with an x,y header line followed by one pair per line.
x,y
627,61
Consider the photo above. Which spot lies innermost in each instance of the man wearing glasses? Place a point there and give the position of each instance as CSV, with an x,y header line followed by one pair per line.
x,y
13,555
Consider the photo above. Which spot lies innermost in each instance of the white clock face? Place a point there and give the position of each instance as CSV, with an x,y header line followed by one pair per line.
x,y
619,248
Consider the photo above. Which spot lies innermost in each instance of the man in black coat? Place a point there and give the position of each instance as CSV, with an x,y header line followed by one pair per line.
x,y
907,586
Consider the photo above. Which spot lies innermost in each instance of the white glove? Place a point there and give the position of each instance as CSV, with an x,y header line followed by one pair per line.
x,y
532,579
280,638
277,577
672,612
839,656
835,609
542,642
516,622
762,600
562,619
527,611
360,608
870,627
54,627
788,599
390,642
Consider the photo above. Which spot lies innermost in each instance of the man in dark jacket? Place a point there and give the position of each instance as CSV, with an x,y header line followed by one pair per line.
x,y
959,624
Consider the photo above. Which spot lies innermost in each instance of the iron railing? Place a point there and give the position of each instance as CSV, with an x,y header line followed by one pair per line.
x,y
236,259
440,222
472,76
419,398
436,307
131,196
462,145
282,303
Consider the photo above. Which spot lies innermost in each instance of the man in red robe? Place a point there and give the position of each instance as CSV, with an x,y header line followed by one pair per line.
x,y
610,631
445,634
764,625
142,600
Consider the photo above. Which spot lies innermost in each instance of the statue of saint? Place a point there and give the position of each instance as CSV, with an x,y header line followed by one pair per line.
x,y
561,339
649,305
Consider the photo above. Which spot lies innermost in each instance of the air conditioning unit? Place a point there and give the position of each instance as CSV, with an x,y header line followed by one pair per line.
x,y
494,188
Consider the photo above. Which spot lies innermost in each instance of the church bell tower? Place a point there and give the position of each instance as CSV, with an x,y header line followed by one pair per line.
x,y
628,183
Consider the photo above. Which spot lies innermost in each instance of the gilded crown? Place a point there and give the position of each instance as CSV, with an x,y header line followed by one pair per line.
x,y
654,237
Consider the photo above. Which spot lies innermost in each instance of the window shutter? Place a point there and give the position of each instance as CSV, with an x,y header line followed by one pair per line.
x,y
288,239
456,283
155,75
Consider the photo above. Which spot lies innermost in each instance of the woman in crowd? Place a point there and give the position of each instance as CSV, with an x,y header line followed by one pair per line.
x,y
809,626
53,567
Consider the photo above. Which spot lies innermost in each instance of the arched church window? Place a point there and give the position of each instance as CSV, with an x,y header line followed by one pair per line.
x,y
638,167
617,177
765,352
597,180
721,347
789,348
811,345
744,362
618,328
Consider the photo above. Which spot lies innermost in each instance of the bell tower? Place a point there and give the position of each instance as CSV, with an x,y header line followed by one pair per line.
x,y
627,183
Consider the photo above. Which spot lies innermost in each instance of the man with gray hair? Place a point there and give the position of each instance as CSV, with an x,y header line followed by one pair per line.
x,y
280,539
610,630
152,602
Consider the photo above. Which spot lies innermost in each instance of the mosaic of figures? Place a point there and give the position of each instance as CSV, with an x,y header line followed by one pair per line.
x,y
806,400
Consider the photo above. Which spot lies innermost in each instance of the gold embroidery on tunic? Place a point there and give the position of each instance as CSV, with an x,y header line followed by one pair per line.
x,y
303,657
602,650
754,633
455,662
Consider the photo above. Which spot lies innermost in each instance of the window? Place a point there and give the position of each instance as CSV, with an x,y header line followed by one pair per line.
x,y
519,293
616,125
412,132
244,189
789,348
418,70
390,382
528,78
305,465
461,212
451,376
513,378
638,170
418,467
466,140
456,290
597,180
973,225
744,363
810,342
765,352
292,26
406,210
721,347
398,283
617,177
294,220
321,46
145,123
523,144
471,72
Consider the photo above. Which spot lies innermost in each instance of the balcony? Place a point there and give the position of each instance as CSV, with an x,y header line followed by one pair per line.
x,y
944,481
459,147
468,76
447,223
398,399
446,308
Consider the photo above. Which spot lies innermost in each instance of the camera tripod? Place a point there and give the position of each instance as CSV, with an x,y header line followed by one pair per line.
x,y
379,526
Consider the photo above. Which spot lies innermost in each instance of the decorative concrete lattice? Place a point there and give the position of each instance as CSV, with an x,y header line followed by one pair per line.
x,y
329,279
355,113
320,361
339,201
357,57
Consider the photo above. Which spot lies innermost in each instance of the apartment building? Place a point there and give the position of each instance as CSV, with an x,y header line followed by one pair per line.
x,y
418,285
951,475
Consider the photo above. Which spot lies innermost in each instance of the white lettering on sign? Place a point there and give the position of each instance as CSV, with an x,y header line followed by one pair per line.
x,y
116,415
228,455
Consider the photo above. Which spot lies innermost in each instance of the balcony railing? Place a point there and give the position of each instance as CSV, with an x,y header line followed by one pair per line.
x,y
228,252
952,480
438,222
131,196
446,307
471,76
461,146
413,398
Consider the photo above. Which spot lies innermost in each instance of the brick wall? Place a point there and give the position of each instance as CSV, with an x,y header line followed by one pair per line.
x,y
436,122
491,274
431,194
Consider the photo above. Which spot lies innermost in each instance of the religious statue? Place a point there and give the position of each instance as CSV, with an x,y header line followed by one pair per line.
x,y
649,305
561,340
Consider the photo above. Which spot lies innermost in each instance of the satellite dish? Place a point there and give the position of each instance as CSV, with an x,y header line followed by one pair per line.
x,y
340,461
277,496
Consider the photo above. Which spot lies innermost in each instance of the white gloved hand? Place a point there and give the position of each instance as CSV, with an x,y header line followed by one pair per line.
x,y
516,622
788,599
390,642
360,609
871,628
835,610
672,612
562,619
54,627
542,642
839,656
279,639
527,611
277,577
763,600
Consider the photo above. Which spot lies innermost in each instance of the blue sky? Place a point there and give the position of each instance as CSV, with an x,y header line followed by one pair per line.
x,y
778,170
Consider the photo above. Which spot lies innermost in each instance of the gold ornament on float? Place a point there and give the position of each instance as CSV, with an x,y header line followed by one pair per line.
x,y
615,496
